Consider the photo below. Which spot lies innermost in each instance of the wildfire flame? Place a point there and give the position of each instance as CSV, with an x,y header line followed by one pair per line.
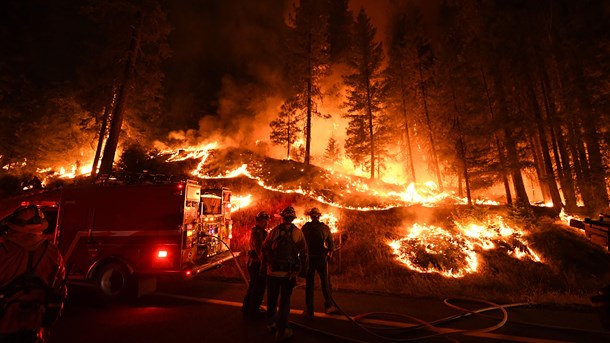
x,y
452,253
327,218
238,201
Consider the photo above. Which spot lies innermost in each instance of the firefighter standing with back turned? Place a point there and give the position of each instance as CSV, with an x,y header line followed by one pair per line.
x,y
285,254
256,288
32,286
320,246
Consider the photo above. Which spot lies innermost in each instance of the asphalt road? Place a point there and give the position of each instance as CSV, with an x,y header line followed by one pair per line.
x,y
209,311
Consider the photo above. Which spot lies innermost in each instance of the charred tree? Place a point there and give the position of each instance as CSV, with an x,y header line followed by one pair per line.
x,y
560,151
548,174
100,141
498,144
118,112
461,151
426,59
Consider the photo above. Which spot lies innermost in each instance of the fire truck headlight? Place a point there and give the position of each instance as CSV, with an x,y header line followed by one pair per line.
x,y
162,253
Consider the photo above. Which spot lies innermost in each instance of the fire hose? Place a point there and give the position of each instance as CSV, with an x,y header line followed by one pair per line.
x,y
392,333
241,271
389,333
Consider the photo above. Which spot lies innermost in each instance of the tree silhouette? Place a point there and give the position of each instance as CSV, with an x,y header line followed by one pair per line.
x,y
285,128
365,95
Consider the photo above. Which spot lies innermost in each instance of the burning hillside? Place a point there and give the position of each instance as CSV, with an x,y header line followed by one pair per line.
x,y
452,248
328,187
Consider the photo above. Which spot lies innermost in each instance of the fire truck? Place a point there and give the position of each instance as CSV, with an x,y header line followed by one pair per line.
x,y
124,237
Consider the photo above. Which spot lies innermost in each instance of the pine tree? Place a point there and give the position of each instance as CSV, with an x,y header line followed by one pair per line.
x,y
309,54
365,95
285,129
332,153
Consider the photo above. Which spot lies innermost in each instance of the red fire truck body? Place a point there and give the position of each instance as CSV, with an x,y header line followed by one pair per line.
x,y
122,237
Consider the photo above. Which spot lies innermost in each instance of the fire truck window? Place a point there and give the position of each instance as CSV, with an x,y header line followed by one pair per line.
x,y
210,206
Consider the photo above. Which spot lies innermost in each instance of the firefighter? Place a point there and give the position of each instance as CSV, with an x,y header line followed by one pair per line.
x,y
285,257
32,278
256,289
320,246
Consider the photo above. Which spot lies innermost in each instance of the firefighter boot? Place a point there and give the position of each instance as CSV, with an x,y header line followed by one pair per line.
x,y
330,309
284,334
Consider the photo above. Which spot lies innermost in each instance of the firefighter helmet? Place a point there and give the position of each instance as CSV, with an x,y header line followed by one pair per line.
x,y
314,212
288,212
28,219
262,215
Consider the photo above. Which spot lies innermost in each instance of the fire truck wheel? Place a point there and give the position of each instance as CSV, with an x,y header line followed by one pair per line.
x,y
113,281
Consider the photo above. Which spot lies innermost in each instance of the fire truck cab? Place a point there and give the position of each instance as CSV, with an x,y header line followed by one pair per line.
x,y
123,237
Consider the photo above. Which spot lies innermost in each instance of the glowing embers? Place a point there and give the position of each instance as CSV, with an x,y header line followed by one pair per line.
x,y
432,249
453,253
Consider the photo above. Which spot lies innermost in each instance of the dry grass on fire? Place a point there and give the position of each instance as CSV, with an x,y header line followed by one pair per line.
x,y
572,268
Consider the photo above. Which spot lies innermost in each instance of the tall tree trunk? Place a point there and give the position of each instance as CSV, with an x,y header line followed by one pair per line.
x,y
579,159
288,143
501,157
309,100
122,92
510,143
101,139
594,174
403,95
430,133
562,159
549,174
540,172
371,131
596,167
515,167
462,150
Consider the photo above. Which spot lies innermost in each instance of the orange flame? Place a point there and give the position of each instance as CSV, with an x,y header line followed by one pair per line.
x,y
238,202
327,218
432,249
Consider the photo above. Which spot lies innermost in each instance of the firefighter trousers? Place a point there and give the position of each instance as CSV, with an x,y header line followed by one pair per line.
x,y
317,264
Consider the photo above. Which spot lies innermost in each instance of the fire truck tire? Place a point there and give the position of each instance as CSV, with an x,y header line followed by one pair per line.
x,y
113,281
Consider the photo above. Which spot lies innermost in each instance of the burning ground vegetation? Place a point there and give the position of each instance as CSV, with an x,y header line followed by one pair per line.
x,y
327,187
415,241
479,252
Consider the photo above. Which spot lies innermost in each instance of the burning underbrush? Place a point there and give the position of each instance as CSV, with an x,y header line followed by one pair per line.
x,y
414,241
328,187
446,251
